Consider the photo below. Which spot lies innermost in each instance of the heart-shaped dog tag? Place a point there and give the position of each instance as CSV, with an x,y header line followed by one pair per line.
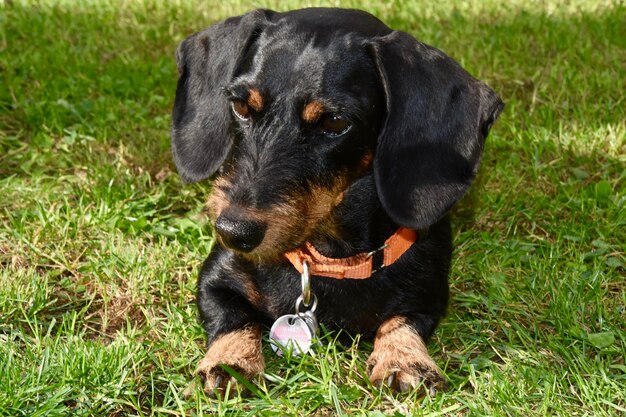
x,y
291,332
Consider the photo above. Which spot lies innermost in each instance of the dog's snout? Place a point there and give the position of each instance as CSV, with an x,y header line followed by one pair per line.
x,y
239,232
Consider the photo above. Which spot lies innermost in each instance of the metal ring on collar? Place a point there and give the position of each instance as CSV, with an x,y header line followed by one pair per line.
x,y
300,301
306,284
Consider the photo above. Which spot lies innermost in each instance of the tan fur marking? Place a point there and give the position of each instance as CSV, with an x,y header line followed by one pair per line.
x,y
255,100
312,111
252,292
217,201
389,326
240,350
400,358
289,224
367,159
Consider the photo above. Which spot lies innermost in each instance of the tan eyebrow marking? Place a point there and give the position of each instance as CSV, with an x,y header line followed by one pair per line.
x,y
312,111
255,100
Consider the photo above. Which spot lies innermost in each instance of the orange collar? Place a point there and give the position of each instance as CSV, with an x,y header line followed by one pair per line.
x,y
355,267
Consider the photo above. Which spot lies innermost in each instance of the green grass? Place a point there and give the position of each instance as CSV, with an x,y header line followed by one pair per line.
x,y
100,242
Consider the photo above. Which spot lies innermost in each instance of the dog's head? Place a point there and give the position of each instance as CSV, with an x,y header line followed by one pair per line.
x,y
292,108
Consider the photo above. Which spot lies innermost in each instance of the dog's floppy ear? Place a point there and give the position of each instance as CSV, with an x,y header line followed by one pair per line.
x,y
438,117
201,115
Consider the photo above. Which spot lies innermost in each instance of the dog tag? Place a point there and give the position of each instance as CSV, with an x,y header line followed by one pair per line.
x,y
293,332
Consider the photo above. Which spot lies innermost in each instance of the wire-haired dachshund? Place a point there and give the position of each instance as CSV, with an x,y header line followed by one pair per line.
x,y
337,141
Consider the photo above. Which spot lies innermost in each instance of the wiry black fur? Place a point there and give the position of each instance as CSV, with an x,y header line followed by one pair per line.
x,y
422,117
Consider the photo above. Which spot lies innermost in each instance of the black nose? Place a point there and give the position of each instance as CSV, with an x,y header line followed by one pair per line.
x,y
238,232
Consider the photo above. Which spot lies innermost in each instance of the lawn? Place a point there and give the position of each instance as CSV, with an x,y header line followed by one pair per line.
x,y
100,241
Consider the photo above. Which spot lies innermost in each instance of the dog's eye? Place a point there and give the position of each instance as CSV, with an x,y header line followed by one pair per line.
x,y
241,109
334,125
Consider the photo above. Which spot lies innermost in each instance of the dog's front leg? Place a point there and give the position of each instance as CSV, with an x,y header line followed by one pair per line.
x,y
240,350
227,300
400,359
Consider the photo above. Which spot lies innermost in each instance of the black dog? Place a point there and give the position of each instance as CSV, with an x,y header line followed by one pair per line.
x,y
330,133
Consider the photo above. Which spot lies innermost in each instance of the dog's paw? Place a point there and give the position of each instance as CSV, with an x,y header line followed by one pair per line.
x,y
405,377
239,350
401,362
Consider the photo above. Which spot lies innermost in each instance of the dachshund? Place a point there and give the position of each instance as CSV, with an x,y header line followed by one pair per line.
x,y
339,143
